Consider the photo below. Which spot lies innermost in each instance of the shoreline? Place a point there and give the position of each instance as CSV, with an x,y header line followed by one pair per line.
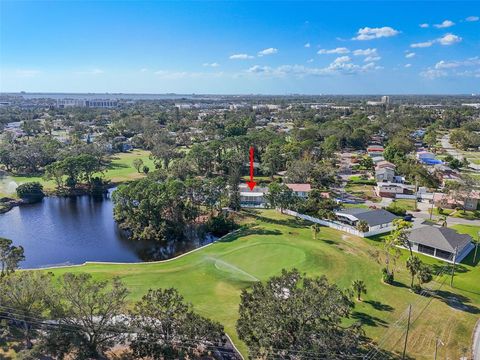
x,y
10,203
132,263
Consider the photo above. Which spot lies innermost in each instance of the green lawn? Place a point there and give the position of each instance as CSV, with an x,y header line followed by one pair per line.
x,y
467,214
120,170
407,204
365,192
213,277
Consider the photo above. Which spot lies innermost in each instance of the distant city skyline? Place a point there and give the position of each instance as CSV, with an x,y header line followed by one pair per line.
x,y
240,47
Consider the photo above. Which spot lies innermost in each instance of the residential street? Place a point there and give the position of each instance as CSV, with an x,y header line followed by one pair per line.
x,y
445,141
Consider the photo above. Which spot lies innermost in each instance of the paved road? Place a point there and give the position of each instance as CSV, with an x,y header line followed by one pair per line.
x,y
476,342
450,220
445,141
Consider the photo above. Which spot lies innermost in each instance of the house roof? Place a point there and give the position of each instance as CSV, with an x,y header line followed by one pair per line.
x,y
299,187
385,164
440,237
450,199
371,217
384,170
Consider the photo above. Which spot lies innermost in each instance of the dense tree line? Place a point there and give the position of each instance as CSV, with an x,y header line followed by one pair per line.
x,y
76,316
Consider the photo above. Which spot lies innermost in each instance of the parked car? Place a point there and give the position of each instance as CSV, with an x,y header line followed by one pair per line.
x,y
408,217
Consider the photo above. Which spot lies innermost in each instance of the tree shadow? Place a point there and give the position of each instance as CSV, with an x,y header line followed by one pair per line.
x,y
399,284
290,222
330,242
456,301
447,268
113,166
249,231
469,259
377,305
369,320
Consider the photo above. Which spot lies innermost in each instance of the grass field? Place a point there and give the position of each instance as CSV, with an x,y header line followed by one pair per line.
x,y
467,214
120,170
407,204
366,192
213,277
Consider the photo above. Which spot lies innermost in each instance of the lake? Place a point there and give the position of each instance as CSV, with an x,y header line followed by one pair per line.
x,y
72,230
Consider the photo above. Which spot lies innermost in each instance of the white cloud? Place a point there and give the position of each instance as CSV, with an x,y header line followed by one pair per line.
x,y
445,24
449,39
446,65
341,65
424,25
240,57
341,59
466,68
408,65
339,50
259,69
409,55
422,44
368,33
433,74
310,61
268,51
143,70
372,58
307,45
365,52
473,61
472,18
214,64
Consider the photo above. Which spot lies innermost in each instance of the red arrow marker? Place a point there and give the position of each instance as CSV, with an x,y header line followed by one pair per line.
x,y
251,184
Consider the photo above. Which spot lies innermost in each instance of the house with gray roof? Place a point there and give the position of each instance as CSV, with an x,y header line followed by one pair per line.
x,y
440,242
379,221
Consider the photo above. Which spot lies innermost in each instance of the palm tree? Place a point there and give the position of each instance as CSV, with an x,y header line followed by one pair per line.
x,y
359,288
414,265
362,226
315,230
443,220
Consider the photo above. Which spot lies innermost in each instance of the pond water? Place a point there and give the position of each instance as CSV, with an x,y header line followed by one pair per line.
x,y
72,230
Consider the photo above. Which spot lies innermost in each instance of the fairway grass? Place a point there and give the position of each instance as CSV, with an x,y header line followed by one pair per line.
x,y
120,170
212,279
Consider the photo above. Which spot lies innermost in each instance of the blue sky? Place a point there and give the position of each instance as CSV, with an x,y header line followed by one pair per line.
x,y
240,47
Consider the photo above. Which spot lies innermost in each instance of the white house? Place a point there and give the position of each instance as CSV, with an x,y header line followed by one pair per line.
x,y
252,198
379,221
440,242
301,190
384,174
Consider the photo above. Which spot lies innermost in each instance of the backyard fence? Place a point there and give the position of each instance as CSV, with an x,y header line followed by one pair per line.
x,y
338,226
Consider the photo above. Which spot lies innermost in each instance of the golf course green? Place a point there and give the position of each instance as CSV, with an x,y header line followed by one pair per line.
x,y
212,278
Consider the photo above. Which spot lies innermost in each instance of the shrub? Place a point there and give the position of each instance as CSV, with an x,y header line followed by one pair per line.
x,y
220,225
97,187
387,277
396,209
31,191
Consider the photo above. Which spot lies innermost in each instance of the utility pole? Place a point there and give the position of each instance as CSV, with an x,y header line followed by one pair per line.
x,y
406,335
431,209
476,247
453,267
